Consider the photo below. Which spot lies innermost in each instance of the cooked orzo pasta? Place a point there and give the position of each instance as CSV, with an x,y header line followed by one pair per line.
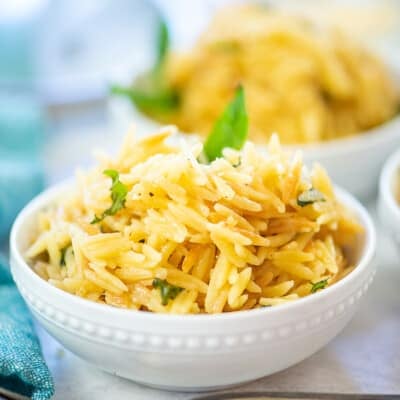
x,y
307,82
154,229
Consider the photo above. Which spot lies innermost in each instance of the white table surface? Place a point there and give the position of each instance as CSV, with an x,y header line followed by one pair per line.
x,y
364,358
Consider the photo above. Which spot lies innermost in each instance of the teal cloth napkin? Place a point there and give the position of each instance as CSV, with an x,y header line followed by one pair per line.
x,y
22,368
21,141
21,178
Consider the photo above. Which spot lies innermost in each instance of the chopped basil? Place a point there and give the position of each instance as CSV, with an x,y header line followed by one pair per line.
x,y
63,254
309,197
118,196
319,285
167,291
230,129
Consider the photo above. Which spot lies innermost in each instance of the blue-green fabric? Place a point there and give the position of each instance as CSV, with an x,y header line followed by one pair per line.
x,y
22,367
21,178
22,126
22,137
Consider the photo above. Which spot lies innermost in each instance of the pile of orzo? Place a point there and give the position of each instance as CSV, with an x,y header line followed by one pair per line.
x,y
154,229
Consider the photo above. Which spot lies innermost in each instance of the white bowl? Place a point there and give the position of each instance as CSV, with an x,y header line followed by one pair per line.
x,y
388,206
353,163
191,352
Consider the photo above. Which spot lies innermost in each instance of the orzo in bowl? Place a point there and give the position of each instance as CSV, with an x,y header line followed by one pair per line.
x,y
156,229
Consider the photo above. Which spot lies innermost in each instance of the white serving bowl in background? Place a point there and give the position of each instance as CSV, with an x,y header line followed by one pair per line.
x,y
388,206
353,163
191,352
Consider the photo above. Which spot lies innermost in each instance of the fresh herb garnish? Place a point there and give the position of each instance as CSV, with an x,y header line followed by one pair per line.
x,y
167,291
149,91
118,196
230,130
319,285
309,197
149,96
63,254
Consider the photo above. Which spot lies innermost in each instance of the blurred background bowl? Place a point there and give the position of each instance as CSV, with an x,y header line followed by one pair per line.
x,y
388,201
353,162
65,58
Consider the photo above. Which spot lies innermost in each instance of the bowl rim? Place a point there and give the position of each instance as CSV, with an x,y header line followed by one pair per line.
x,y
386,189
49,196
361,139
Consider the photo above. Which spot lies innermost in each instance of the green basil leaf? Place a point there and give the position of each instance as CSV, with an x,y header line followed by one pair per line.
x,y
118,196
167,291
230,130
162,44
63,254
319,285
157,100
149,92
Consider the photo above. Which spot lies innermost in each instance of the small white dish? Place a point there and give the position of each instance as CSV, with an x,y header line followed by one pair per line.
x,y
353,163
388,205
192,352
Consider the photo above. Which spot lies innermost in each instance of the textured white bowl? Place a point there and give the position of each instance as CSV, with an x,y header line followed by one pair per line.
x,y
353,163
388,206
192,352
